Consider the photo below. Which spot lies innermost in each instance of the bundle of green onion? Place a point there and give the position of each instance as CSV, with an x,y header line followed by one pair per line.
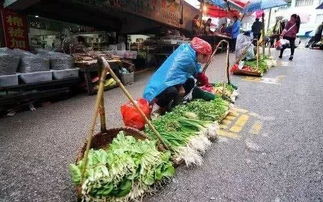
x,y
124,171
188,128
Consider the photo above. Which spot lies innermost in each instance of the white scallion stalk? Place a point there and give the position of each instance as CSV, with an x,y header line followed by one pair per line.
x,y
212,134
189,155
200,142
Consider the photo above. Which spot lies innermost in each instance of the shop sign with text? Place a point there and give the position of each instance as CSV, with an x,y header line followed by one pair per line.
x,y
15,29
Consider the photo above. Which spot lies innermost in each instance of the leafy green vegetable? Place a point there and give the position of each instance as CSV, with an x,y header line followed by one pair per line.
x,y
125,170
228,87
263,64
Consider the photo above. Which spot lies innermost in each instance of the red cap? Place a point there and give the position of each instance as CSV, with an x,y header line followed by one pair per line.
x,y
201,46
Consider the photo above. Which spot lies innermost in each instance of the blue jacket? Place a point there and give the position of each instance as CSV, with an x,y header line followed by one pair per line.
x,y
235,29
178,67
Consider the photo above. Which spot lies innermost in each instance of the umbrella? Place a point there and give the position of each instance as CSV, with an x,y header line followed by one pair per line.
x,y
228,4
256,5
320,6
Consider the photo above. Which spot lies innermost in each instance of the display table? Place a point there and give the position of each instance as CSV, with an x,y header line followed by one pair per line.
x,y
91,69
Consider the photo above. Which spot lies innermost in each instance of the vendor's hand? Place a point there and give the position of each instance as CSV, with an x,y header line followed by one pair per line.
x,y
202,79
181,91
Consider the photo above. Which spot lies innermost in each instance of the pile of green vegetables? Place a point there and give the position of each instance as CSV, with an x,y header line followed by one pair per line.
x,y
229,88
188,128
265,62
124,171
262,65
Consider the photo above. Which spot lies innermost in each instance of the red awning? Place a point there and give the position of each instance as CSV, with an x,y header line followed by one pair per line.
x,y
241,3
218,12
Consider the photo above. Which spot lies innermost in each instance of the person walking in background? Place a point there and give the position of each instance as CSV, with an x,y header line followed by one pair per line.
x,y
235,31
317,37
277,30
256,29
289,33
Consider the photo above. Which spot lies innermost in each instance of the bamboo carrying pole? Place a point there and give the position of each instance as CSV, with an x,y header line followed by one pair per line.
x,y
244,53
269,18
102,115
213,54
227,67
106,65
263,36
228,62
257,55
98,104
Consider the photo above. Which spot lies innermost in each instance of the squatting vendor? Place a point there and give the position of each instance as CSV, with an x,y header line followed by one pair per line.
x,y
175,77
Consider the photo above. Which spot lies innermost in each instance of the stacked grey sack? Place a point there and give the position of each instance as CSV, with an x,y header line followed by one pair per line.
x,y
58,61
8,62
31,63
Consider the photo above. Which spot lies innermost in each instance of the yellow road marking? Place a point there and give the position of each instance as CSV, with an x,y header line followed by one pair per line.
x,y
240,110
226,122
233,113
256,128
229,117
240,123
223,126
228,134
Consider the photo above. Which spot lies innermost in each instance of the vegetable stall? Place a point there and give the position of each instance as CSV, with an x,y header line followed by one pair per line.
x,y
254,67
124,164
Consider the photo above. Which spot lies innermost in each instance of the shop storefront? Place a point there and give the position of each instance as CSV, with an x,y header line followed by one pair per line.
x,y
132,34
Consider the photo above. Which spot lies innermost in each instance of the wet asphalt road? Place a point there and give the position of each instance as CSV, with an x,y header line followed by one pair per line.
x,y
283,162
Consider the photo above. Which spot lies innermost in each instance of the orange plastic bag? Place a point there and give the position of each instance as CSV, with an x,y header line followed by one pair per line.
x,y
131,116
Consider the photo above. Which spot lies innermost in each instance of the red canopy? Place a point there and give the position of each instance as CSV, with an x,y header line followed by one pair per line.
x,y
218,12
241,3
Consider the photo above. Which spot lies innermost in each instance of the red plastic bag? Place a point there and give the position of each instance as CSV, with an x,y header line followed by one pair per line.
x,y
207,88
202,78
278,45
131,116
234,68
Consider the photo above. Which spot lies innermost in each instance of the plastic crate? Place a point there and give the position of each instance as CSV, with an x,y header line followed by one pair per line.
x,y
35,77
128,78
66,73
8,80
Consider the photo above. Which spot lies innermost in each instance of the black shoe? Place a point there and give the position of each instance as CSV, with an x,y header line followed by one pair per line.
x,y
280,57
291,58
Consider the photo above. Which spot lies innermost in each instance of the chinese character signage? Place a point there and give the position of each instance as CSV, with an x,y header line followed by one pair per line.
x,y
15,29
